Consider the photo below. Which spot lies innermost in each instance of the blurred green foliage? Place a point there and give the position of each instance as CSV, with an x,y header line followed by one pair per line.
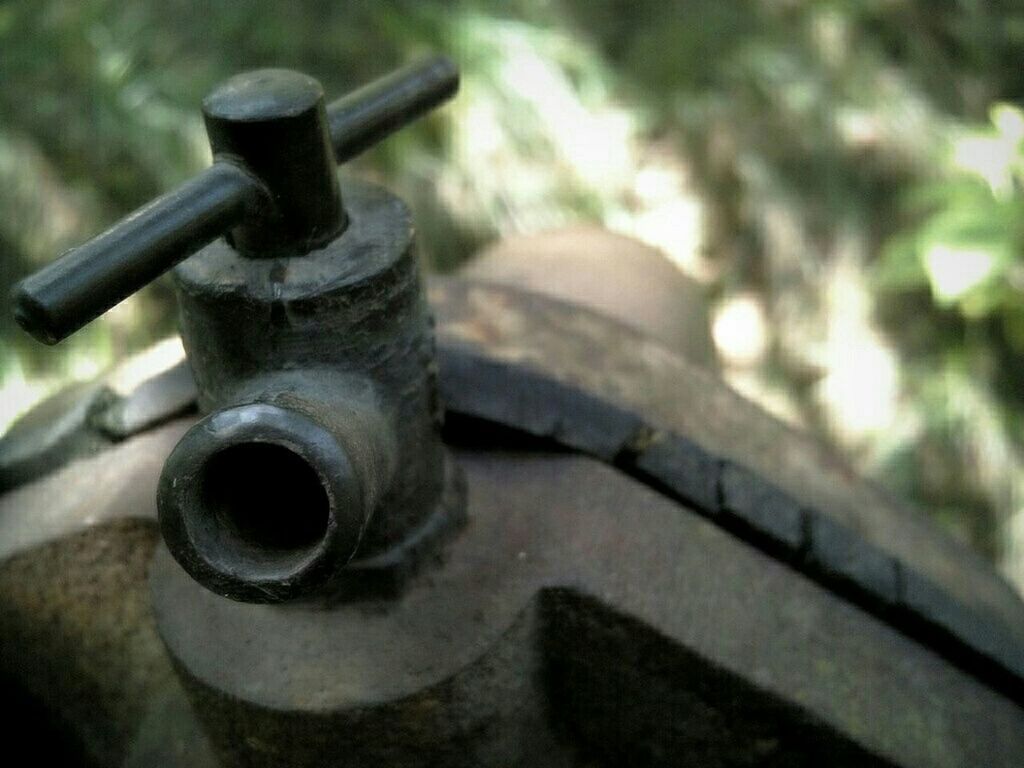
x,y
810,130
967,231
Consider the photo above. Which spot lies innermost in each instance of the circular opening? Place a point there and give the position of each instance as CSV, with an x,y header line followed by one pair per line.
x,y
265,496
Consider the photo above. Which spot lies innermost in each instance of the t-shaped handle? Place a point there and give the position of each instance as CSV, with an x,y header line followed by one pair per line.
x,y
271,188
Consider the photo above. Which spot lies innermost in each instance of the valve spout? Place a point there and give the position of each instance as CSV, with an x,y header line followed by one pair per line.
x,y
264,501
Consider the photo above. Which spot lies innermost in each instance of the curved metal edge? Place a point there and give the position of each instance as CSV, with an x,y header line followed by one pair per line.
x,y
514,395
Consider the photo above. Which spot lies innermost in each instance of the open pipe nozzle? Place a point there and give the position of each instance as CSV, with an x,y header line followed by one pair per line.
x,y
264,501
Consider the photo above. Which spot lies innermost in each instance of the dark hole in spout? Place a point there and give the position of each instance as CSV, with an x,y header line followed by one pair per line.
x,y
266,497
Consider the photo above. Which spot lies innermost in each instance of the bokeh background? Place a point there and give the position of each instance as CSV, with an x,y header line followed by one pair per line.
x,y
842,177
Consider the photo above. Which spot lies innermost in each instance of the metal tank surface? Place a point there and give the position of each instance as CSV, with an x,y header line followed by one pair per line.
x,y
369,522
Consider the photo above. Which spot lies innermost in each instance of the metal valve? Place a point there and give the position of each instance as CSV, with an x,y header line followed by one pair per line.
x,y
308,337
272,188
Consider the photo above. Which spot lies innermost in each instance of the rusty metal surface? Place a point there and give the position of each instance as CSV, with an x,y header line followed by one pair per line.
x,y
660,639
579,379
77,635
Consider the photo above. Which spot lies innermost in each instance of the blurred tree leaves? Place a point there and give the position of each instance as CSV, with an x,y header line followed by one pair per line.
x,y
966,240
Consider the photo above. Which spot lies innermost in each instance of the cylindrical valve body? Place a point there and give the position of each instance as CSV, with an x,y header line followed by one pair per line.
x,y
320,372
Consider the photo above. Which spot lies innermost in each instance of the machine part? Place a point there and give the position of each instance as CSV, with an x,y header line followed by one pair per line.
x,y
328,357
307,334
83,419
90,279
263,501
585,617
